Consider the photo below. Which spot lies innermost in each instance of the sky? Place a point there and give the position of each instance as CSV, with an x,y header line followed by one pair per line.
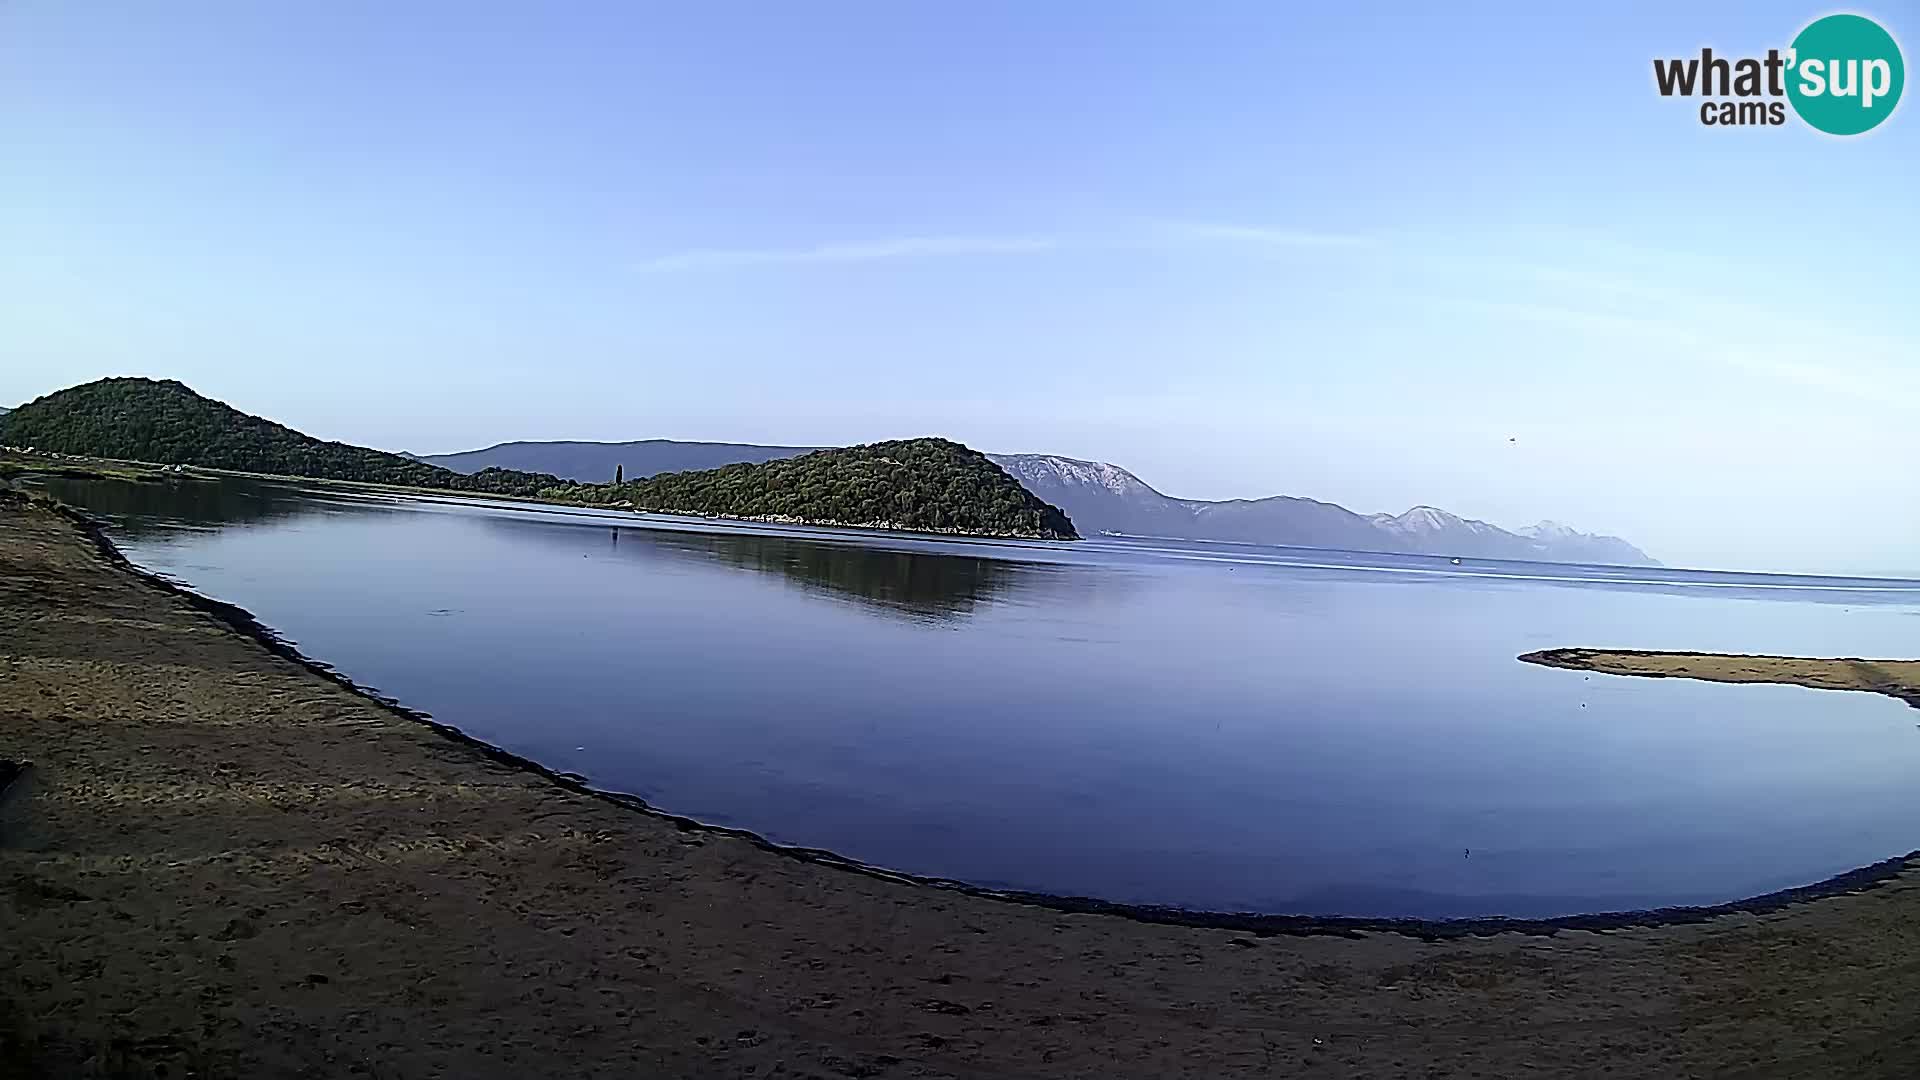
x,y
1383,256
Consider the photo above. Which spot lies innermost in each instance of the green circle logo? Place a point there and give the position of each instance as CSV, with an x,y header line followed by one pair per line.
x,y
1844,74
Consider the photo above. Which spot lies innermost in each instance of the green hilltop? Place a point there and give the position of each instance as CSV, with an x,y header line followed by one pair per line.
x,y
928,485
164,422
921,485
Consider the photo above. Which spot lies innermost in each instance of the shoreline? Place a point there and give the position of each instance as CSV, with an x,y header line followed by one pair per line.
x,y
249,867
1262,924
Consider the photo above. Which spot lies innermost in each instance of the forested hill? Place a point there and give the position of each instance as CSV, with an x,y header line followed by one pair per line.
x,y
927,485
167,423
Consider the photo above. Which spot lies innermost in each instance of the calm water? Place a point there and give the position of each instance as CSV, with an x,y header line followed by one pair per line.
x,y
1210,725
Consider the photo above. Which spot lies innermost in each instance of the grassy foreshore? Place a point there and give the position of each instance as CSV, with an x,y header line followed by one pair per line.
x,y
226,863
15,463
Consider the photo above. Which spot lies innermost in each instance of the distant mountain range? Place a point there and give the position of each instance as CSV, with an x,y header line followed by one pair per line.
x,y
1105,498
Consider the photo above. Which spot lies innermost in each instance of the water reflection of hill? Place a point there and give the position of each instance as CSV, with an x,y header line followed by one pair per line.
x,y
913,583
144,509
917,584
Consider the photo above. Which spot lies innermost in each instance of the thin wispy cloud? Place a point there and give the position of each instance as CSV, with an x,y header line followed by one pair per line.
x,y
1880,390
1583,320
1153,235
1757,340
1264,235
1749,346
910,247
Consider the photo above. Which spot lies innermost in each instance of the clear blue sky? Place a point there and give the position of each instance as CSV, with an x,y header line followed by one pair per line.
x,y
1387,257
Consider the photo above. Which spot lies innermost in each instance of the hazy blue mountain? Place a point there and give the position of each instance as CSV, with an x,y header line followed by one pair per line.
x,y
1424,528
1104,498
594,462
1570,545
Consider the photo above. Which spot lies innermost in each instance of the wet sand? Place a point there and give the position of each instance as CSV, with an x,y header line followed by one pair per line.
x,y
226,863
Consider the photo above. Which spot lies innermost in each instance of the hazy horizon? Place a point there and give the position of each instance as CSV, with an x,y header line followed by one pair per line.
x,y
1487,269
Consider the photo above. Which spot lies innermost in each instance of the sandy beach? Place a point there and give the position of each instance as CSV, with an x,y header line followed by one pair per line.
x,y
1898,679
223,863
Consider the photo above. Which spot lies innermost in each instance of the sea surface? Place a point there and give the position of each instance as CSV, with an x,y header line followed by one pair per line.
x,y
1214,726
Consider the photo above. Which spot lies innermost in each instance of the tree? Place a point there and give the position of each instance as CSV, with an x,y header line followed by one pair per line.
x,y
619,474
